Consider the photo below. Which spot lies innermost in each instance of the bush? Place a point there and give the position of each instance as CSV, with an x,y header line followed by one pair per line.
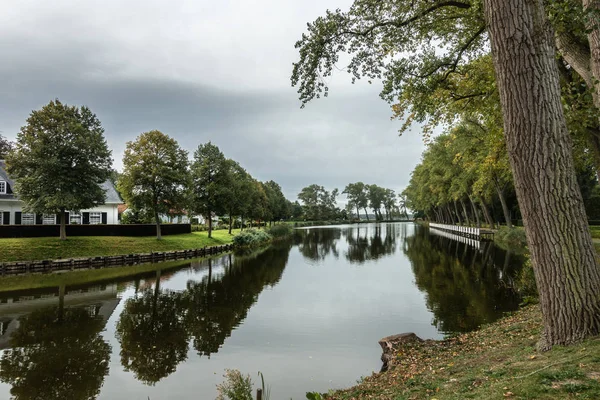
x,y
235,387
281,230
251,237
511,237
526,284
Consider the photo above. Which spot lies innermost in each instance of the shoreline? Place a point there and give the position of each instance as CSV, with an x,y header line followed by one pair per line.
x,y
497,361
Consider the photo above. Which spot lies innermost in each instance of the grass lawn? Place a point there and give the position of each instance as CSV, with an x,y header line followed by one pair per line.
x,y
499,361
28,249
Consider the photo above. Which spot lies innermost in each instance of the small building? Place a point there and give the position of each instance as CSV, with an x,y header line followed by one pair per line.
x,y
11,208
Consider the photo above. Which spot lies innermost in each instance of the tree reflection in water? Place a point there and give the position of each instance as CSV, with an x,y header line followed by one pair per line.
x,y
152,333
464,287
155,327
317,243
57,353
365,244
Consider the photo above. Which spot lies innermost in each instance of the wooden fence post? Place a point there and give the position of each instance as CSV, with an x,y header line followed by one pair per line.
x,y
258,394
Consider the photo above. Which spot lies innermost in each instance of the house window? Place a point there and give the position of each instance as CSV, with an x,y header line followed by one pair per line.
x,y
2,187
95,218
74,219
49,219
27,219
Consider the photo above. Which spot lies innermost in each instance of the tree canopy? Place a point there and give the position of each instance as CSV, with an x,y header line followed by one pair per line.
x,y
155,175
60,161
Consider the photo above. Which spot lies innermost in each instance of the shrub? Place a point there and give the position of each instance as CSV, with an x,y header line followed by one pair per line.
x,y
251,237
511,237
526,284
235,387
281,230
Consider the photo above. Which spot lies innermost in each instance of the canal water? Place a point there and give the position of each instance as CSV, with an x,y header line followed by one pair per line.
x,y
306,313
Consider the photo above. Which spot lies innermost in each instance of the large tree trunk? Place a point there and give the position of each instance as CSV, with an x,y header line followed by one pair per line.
x,y
466,214
475,212
210,224
63,225
539,148
230,223
157,220
487,216
366,214
505,210
593,8
457,213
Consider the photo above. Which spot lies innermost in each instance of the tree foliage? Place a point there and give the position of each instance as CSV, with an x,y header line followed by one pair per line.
x,y
155,175
60,161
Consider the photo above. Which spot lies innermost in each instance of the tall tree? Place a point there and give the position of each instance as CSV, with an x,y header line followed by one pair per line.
x,y
155,175
60,161
563,255
358,197
209,181
382,38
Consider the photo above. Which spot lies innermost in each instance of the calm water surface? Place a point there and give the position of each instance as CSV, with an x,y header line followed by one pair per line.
x,y
308,314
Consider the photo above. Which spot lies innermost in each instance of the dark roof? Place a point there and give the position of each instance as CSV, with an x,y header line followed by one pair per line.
x,y
112,197
4,177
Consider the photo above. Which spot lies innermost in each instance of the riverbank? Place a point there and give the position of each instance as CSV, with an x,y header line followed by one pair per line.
x,y
498,361
52,248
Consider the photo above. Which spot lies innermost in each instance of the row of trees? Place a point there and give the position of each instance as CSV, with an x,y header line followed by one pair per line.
x,y
61,159
158,177
318,204
360,196
508,85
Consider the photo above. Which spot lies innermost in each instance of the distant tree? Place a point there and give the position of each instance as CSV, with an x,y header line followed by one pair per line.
x,y
60,161
319,204
277,201
376,197
5,147
358,196
155,175
237,196
209,182
389,202
297,210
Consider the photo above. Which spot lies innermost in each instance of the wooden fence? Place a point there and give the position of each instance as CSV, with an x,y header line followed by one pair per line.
x,y
73,264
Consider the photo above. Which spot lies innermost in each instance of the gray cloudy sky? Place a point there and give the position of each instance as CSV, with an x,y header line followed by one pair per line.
x,y
201,70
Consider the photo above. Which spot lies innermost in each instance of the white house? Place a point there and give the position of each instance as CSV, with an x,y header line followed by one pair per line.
x,y
11,208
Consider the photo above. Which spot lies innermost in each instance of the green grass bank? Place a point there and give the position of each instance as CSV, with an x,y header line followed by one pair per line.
x,y
499,361
51,248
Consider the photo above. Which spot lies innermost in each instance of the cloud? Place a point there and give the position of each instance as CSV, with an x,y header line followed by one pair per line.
x,y
201,71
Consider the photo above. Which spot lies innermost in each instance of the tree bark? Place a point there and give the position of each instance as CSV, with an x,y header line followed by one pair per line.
x,y
593,8
230,223
487,216
63,225
466,214
505,209
209,224
366,214
539,148
158,232
457,213
475,212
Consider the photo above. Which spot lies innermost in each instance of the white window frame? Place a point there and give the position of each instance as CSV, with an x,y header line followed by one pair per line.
x,y
3,187
28,215
49,219
76,216
95,218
